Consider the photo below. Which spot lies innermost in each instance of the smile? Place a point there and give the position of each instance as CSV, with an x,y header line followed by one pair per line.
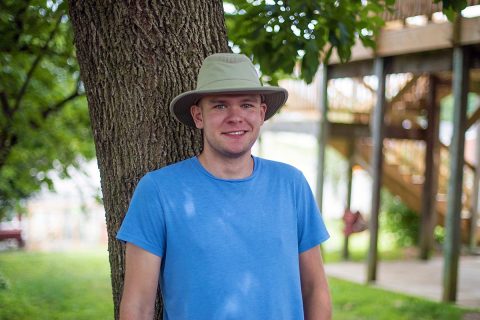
x,y
235,133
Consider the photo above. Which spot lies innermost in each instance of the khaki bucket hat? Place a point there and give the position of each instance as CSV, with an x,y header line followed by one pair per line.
x,y
227,73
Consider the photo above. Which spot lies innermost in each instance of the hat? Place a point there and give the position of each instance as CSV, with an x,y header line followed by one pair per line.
x,y
227,73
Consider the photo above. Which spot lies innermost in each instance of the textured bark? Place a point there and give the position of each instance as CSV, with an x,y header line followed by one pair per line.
x,y
134,57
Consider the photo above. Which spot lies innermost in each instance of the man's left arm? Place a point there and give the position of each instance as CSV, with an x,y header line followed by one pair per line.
x,y
315,292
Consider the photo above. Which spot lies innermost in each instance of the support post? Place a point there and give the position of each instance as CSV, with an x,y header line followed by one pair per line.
x,y
430,185
322,135
378,133
454,205
475,194
348,202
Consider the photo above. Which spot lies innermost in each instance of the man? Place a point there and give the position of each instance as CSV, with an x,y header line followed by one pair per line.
x,y
227,235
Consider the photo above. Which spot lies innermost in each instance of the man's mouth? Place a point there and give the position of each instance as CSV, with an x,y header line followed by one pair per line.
x,y
236,133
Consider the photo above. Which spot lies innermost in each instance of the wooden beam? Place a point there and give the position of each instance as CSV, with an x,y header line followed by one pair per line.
x,y
351,69
416,63
454,205
404,90
423,62
432,161
473,118
433,36
358,130
378,133
322,136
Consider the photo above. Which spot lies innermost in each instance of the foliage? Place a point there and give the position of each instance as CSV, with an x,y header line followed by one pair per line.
x,y
399,220
281,35
44,122
451,8
77,286
446,104
278,34
56,286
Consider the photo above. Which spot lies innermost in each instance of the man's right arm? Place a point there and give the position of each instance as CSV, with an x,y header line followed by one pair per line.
x,y
142,270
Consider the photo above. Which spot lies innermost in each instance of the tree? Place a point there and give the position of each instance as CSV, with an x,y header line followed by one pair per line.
x,y
302,31
135,56
298,32
44,121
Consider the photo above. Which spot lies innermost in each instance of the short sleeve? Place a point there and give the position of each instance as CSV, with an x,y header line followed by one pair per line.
x,y
144,223
311,228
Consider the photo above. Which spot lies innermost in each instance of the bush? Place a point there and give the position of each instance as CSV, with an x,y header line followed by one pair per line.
x,y
400,221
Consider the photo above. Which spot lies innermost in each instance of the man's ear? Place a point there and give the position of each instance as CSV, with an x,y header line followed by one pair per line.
x,y
263,108
196,112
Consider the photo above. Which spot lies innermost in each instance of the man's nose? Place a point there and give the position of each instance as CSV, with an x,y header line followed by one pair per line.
x,y
235,113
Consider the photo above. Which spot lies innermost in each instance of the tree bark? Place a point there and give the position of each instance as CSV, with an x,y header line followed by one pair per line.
x,y
134,57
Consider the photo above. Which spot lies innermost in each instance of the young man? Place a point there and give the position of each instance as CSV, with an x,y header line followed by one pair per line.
x,y
227,235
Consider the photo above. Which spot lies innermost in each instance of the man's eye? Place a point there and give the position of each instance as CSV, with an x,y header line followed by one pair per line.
x,y
247,105
219,106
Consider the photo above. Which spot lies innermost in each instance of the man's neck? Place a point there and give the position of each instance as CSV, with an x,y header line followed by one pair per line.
x,y
228,168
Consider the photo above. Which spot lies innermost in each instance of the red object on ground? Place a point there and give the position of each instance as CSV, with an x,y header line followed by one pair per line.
x,y
15,234
354,222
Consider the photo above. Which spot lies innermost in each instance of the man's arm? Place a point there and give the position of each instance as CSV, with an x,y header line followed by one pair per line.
x,y
315,292
142,269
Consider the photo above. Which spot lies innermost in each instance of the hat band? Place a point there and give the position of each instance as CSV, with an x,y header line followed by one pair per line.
x,y
229,84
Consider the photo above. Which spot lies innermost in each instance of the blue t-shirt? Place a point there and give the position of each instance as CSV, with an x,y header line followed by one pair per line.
x,y
229,248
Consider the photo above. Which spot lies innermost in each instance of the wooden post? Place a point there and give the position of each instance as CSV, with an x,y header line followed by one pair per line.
x,y
430,186
378,132
475,195
322,135
351,148
454,205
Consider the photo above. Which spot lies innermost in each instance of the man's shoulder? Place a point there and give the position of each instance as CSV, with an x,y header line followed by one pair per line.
x,y
278,167
172,170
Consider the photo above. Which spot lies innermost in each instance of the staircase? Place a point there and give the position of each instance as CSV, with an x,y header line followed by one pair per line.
x,y
350,106
404,160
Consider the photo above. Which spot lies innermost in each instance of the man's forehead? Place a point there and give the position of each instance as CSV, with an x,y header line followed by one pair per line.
x,y
225,97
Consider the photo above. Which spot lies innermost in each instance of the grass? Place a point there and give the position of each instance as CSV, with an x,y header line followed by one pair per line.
x,y
55,286
361,302
77,286
358,244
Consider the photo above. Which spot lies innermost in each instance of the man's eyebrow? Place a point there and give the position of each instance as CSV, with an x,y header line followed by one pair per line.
x,y
223,100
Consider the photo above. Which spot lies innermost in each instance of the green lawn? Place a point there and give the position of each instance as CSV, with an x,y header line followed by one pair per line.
x,y
55,286
361,302
77,286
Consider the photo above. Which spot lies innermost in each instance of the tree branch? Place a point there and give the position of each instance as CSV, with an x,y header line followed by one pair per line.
x,y
19,20
35,64
5,107
59,105
9,139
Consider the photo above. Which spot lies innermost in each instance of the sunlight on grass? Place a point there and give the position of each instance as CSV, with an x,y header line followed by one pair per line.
x,y
56,286
358,302
77,286
358,244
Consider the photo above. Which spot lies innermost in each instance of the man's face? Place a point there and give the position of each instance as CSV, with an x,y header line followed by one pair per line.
x,y
230,123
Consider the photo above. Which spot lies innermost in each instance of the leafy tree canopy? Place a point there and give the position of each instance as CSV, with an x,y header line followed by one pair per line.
x,y
44,122
279,34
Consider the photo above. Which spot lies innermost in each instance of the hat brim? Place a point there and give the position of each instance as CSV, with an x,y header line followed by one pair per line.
x,y
275,97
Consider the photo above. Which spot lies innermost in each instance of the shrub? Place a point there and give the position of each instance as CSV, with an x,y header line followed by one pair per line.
x,y
400,221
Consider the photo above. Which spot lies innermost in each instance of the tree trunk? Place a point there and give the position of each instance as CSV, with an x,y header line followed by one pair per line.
x,y
134,57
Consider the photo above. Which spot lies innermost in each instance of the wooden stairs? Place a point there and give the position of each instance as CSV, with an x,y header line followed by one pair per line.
x,y
403,175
